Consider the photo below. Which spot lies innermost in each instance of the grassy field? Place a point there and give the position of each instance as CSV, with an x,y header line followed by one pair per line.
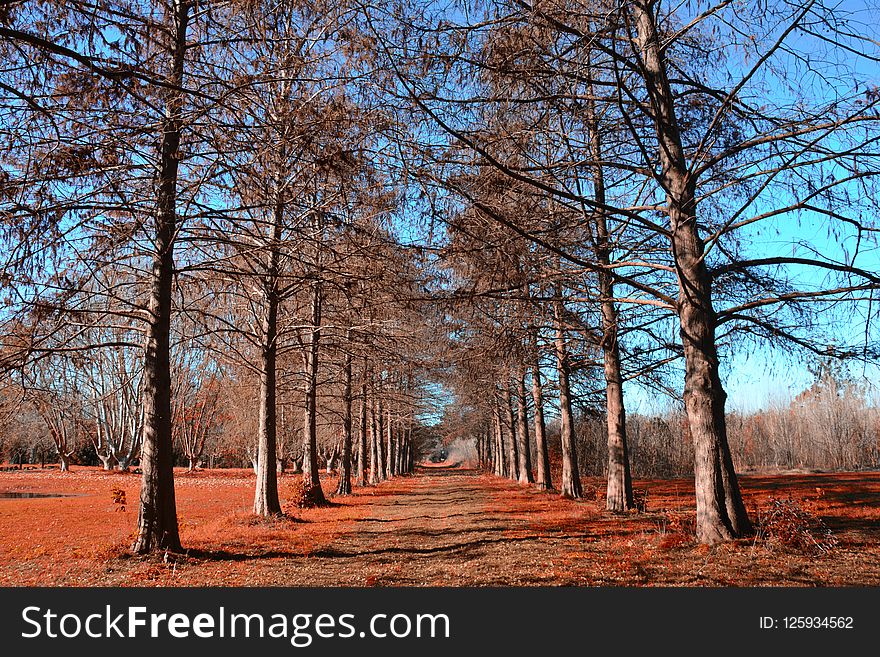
x,y
442,526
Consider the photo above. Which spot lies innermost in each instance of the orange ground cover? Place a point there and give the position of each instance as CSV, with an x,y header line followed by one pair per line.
x,y
440,527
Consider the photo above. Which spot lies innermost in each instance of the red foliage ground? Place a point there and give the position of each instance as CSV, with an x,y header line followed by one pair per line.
x,y
440,527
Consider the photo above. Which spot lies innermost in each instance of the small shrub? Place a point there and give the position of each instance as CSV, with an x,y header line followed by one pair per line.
x,y
593,492
784,522
307,497
676,529
640,499
674,540
117,496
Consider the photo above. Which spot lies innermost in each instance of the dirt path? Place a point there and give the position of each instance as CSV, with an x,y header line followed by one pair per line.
x,y
440,527
444,527
460,527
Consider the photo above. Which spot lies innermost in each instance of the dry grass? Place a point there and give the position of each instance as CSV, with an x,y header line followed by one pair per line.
x,y
441,527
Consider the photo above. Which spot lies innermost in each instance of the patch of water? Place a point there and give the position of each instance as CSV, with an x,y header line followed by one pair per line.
x,y
19,495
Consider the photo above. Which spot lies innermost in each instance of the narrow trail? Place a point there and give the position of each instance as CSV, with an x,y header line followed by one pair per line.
x,y
448,526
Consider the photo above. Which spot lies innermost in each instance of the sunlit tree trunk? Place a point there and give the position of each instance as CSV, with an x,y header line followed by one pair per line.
x,y
374,444
721,514
391,453
157,517
362,435
266,500
619,495
311,475
571,480
345,469
411,453
500,463
512,451
522,421
542,454
380,440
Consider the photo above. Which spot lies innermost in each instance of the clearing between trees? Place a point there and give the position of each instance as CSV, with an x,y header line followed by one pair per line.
x,y
442,526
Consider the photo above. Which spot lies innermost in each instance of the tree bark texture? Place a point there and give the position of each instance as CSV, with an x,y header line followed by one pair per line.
x,y
721,514
157,528
571,480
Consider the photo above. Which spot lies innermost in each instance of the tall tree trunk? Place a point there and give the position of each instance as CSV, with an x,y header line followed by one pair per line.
x,y
571,480
402,438
721,514
266,502
133,448
345,471
619,495
522,420
362,435
374,448
542,453
489,452
380,440
311,475
512,451
398,452
390,469
157,517
404,455
500,459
